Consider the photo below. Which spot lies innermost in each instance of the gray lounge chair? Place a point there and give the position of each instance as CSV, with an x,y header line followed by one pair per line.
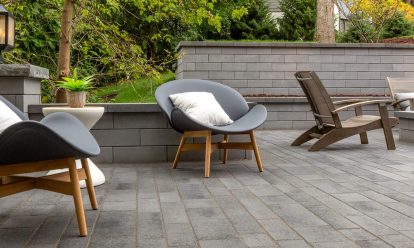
x,y
53,143
245,119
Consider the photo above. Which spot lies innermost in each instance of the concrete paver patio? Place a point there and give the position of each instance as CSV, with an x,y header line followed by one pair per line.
x,y
349,195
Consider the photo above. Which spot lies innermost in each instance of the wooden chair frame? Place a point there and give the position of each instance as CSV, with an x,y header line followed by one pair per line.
x,y
401,85
65,183
330,129
210,147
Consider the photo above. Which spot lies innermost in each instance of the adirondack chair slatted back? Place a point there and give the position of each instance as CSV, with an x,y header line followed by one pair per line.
x,y
400,85
317,96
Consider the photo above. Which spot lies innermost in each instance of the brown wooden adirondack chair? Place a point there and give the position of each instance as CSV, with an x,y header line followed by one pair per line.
x,y
329,128
398,86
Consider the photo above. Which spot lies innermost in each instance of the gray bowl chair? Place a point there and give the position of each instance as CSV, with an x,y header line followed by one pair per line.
x,y
245,119
53,143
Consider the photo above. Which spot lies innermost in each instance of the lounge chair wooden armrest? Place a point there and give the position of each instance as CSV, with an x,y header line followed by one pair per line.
x,y
354,105
348,101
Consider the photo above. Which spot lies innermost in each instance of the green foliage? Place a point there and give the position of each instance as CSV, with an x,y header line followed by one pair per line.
x,y
363,31
298,20
124,40
398,26
240,19
37,32
140,90
76,84
357,33
256,24
114,39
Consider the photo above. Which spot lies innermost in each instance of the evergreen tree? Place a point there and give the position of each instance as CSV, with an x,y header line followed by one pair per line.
x,y
398,26
256,24
298,20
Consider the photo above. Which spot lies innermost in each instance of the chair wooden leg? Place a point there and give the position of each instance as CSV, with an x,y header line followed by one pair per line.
x,y
256,151
77,198
363,137
89,184
207,155
304,137
330,138
389,138
177,155
225,150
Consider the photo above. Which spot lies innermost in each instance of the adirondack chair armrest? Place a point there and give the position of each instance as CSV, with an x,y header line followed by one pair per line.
x,y
354,105
348,101
395,103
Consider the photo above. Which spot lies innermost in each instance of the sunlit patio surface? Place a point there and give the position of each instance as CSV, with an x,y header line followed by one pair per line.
x,y
349,195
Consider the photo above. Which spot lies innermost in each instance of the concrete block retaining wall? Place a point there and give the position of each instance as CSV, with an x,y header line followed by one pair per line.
x,y
406,125
130,133
268,68
20,84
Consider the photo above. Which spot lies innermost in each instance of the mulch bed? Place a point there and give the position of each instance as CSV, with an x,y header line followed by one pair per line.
x,y
340,95
401,40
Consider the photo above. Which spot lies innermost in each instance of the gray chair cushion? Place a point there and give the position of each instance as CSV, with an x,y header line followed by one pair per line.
x,y
231,101
58,135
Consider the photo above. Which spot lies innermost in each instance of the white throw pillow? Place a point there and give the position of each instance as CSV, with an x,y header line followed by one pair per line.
x,y
7,117
201,106
405,105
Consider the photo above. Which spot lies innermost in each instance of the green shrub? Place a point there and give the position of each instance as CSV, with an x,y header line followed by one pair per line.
x,y
37,32
356,34
257,24
298,20
254,24
398,26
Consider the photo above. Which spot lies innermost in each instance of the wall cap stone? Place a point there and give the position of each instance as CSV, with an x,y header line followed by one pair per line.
x,y
153,107
404,114
109,107
183,44
297,99
17,70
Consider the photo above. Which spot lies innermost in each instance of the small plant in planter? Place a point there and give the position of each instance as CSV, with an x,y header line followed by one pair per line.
x,y
76,89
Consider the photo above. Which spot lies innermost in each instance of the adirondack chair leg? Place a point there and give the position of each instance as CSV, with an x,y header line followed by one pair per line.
x,y
304,137
364,138
330,138
386,126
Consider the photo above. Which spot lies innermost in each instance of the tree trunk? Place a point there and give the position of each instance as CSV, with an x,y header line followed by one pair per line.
x,y
325,29
63,69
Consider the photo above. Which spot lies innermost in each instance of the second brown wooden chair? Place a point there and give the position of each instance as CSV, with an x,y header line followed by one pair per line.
x,y
329,128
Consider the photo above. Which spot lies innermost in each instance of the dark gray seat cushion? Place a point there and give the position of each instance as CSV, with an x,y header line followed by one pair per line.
x,y
230,100
59,135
